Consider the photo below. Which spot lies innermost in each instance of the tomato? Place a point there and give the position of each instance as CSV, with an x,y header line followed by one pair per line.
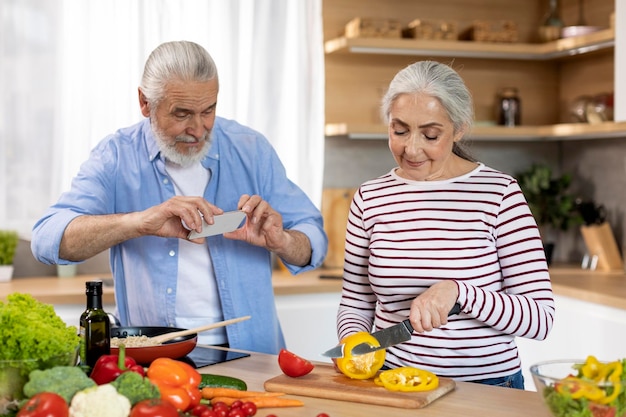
x,y
155,407
45,404
601,410
249,408
220,409
199,409
293,365
236,404
360,366
236,412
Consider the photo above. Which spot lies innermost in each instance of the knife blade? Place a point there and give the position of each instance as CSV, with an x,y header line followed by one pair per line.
x,y
390,336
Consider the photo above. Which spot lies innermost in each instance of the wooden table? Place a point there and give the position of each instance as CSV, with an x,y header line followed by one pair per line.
x,y
467,400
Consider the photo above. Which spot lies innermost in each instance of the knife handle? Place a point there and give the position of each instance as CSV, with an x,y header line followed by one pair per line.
x,y
456,309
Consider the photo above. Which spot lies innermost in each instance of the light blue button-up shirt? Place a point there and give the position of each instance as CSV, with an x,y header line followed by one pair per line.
x,y
125,173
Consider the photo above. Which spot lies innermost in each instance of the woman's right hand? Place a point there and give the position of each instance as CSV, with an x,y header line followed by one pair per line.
x,y
430,309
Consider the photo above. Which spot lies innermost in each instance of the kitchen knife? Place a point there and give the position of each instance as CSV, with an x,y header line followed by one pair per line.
x,y
390,336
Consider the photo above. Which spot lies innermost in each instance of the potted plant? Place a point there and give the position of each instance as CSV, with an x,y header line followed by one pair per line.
x,y
8,244
553,207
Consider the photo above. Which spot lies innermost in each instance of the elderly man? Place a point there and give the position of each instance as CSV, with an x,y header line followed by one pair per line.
x,y
145,187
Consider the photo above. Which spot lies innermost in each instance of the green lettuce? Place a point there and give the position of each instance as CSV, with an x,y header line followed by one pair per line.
x,y
30,329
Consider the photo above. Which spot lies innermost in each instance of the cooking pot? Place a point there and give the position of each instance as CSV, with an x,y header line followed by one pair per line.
x,y
174,349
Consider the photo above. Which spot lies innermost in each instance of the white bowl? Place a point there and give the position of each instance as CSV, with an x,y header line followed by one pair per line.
x,y
571,31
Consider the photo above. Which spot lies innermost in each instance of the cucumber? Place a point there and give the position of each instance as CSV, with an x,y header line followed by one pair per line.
x,y
222,381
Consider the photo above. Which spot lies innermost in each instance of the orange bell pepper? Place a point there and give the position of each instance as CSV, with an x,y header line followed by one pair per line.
x,y
360,366
178,382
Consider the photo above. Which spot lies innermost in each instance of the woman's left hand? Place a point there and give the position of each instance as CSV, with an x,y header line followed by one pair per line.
x,y
430,309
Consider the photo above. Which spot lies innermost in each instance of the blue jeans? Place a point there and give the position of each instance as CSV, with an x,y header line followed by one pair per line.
x,y
512,381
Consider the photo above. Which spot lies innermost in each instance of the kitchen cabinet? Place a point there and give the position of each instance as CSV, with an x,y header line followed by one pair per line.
x,y
309,323
549,75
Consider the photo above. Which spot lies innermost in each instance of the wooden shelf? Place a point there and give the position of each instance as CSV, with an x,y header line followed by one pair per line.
x,y
559,132
601,40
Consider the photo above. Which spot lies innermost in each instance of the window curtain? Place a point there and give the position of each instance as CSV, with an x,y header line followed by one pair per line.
x,y
70,70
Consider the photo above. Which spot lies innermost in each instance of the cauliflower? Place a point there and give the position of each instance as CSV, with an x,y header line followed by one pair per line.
x,y
100,401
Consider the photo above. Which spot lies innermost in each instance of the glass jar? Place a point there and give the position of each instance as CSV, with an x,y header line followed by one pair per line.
x,y
509,112
550,28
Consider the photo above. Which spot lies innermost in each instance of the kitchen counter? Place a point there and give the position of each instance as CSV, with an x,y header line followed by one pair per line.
x,y
467,399
56,290
605,288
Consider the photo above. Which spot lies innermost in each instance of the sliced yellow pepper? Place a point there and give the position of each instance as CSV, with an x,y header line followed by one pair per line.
x,y
407,379
360,366
591,376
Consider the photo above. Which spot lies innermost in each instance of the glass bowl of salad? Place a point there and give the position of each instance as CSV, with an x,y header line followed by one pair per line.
x,y
582,387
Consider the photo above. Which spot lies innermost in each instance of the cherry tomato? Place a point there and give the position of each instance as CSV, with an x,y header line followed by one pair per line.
x,y
209,413
45,404
249,408
293,365
236,412
199,409
154,407
322,415
220,409
236,404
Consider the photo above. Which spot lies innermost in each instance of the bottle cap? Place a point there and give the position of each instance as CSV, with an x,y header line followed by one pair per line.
x,y
508,92
93,287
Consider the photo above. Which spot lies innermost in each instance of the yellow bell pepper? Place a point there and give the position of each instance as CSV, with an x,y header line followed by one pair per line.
x,y
407,379
360,366
591,376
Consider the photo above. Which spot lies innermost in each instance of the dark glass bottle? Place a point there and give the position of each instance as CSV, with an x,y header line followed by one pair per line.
x,y
509,107
95,329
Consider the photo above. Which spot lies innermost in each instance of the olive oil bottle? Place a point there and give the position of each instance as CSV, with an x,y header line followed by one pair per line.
x,y
95,329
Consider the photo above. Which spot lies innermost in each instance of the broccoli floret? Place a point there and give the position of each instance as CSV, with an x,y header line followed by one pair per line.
x,y
63,380
135,387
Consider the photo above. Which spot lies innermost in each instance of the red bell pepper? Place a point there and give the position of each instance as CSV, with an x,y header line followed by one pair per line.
x,y
109,367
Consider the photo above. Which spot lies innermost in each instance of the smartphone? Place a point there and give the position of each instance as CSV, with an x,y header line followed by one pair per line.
x,y
226,222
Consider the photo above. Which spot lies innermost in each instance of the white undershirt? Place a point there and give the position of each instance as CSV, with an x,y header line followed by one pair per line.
x,y
197,298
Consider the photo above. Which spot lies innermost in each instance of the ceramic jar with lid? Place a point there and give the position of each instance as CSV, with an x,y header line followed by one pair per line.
x,y
508,107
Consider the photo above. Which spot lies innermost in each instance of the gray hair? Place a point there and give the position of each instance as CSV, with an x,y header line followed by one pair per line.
x,y
179,60
439,81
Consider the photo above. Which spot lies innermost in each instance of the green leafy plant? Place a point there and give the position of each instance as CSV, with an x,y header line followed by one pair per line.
x,y
548,197
8,244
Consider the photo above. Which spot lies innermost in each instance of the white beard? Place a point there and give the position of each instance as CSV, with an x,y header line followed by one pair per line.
x,y
168,150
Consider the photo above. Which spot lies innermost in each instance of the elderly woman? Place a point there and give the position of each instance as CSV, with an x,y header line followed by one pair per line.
x,y
439,229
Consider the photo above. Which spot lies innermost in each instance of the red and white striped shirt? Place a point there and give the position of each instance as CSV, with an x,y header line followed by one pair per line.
x,y
404,236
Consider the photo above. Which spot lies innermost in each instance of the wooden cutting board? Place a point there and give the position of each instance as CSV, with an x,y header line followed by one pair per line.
x,y
335,207
325,382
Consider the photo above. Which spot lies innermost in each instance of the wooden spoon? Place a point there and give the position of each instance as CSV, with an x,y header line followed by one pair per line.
x,y
173,335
